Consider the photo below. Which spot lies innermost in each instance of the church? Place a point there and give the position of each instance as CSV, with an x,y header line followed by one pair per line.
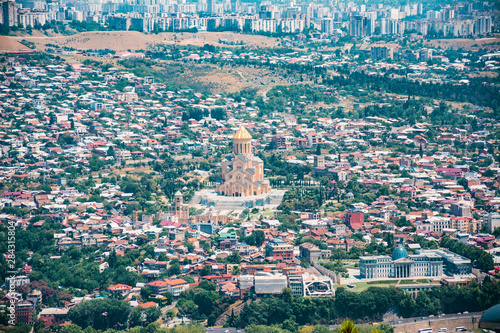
x,y
242,172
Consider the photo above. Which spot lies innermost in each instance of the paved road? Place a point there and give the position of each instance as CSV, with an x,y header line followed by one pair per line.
x,y
224,330
400,322
415,320
168,307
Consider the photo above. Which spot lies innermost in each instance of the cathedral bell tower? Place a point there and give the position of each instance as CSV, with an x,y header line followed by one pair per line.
x,y
242,144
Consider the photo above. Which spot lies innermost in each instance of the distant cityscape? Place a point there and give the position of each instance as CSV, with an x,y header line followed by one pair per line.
x,y
330,20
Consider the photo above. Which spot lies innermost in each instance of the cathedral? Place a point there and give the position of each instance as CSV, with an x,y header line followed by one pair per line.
x,y
242,173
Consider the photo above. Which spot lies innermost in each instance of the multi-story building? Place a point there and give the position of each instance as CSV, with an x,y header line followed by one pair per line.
x,y
296,284
16,281
30,18
465,224
401,265
492,221
310,251
327,26
35,297
434,223
8,15
267,284
381,52
425,54
389,26
454,264
158,287
176,286
25,313
355,219
360,26
424,263
314,139
118,290
53,316
281,142
122,155
319,161
278,249
482,25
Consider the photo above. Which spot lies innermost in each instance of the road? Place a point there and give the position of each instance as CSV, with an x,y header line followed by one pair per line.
x,y
398,323
427,320
434,319
224,330
168,307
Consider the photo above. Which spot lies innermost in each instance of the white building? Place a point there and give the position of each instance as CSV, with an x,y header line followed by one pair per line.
x,y
401,265
16,281
492,221
270,284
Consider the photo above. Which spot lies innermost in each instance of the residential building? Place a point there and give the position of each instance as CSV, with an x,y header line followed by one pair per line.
x,y
492,221
159,287
16,281
354,219
25,313
176,286
278,249
381,52
119,290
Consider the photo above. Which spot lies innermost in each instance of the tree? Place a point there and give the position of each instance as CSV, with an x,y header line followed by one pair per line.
x,y
189,245
286,295
71,329
174,269
260,237
264,329
271,146
234,258
206,300
207,285
112,259
403,222
348,327
100,313
169,297
144,317
145,293
206,270
111,152
235,270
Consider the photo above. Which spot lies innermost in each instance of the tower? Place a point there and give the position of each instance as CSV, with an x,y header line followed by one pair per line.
x,y
178,198
242,142
181,210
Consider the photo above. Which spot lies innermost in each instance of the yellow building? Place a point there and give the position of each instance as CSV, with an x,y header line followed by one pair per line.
x,y
243,173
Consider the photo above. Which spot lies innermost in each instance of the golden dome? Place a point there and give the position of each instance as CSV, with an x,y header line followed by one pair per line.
x,y
242,134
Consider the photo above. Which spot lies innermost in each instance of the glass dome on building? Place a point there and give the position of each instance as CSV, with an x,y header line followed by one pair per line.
x,y
399,253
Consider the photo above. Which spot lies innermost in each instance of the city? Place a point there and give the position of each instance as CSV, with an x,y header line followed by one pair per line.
x,y
249,167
